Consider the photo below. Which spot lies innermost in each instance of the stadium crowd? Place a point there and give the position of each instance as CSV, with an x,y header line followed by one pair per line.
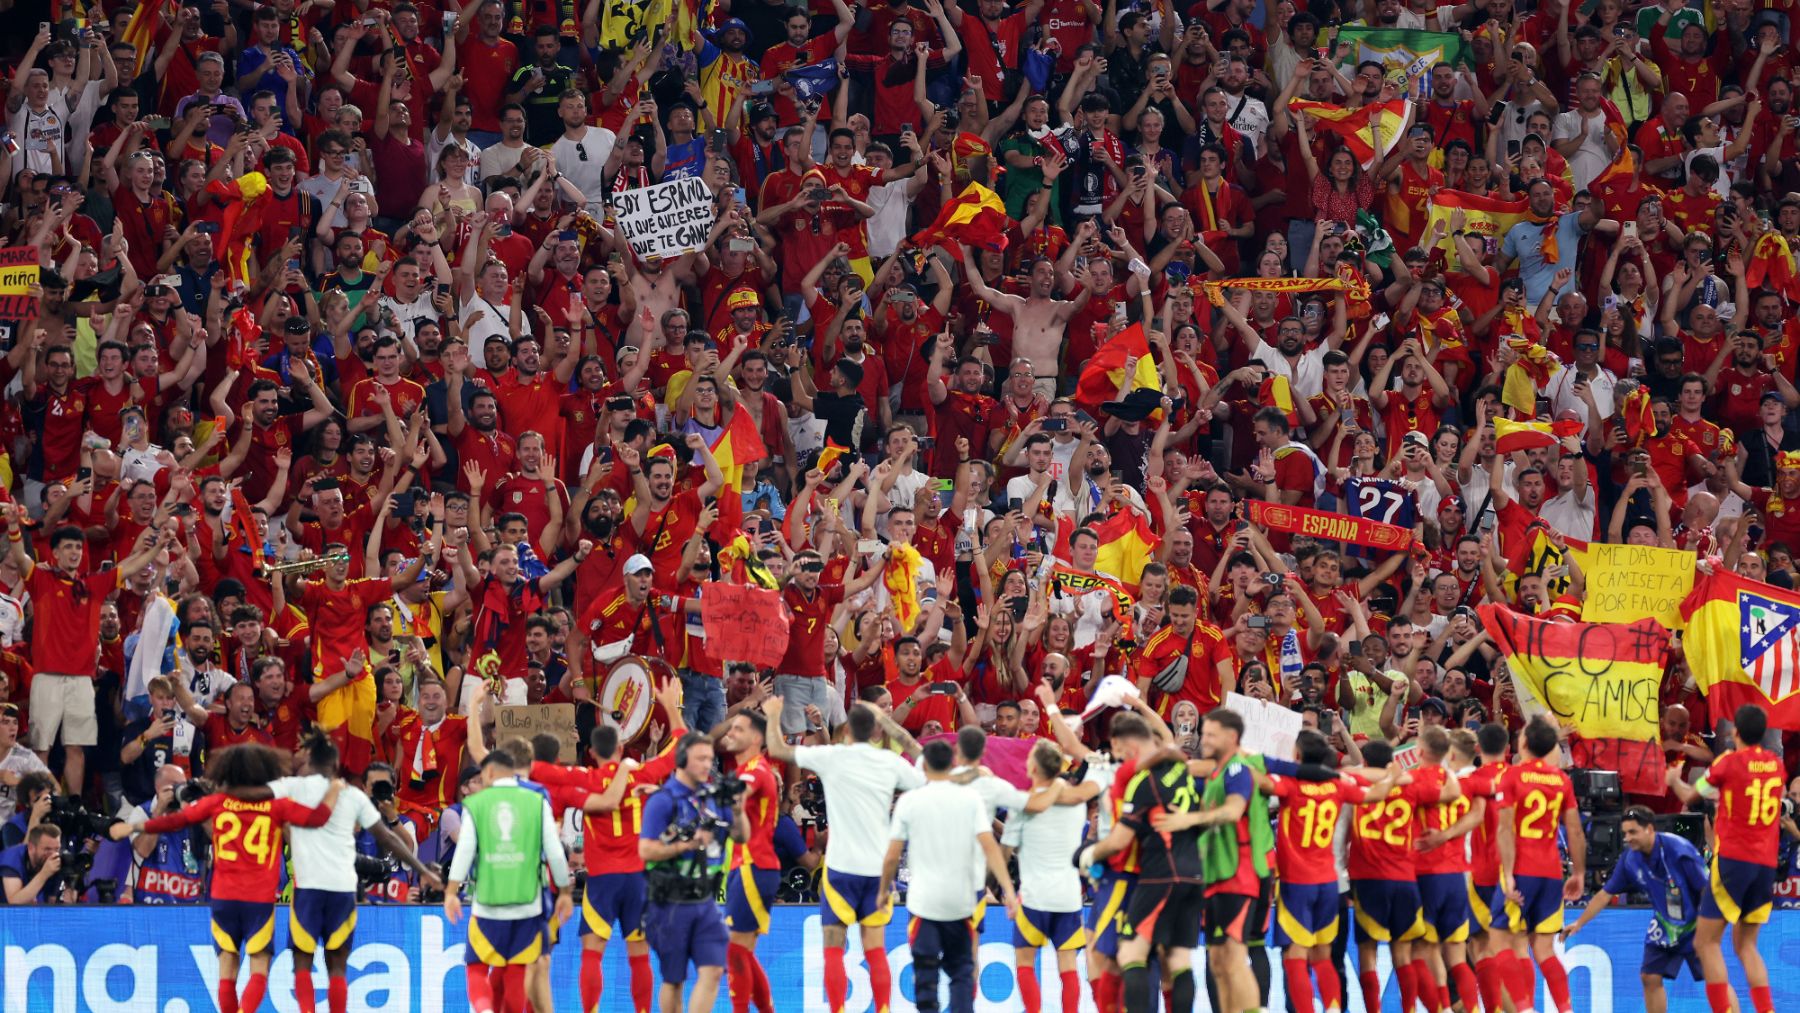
x,y
1023,343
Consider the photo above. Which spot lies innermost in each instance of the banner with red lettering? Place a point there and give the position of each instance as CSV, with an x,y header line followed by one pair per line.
x,y
745,623
1329,526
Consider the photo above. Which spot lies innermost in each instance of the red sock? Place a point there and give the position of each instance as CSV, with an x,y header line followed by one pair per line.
x,y
1718,996
1029,993
1102,986
337,993
1430,992
228,996
881,981
1488,978
497,981
1371,989
837,986
1071,989
303,988
1409,986
516,1000
1299,984
481,991
593,979
1762,999
738,976
1556,979
253,993
643,983
765,1000
1467,988
1168,997
1519,980
1331,994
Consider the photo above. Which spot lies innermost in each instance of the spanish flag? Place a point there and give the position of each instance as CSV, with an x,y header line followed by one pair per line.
x,y
740,444
1636,415
976,217
1277,392
1510,436
1127,545
242,219
828,457
1743,644
1487,217
1772,264
1358,128
1103,378
1598,680
141,32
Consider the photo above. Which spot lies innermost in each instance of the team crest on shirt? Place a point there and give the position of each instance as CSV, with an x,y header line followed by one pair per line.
x,y
281,437
518,496
78,404
1736,389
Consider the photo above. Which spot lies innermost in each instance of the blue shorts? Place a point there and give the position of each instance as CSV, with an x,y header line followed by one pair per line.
x,y
1742,892
1540,911
243,926
1481,899
1660,960
1059,929
1445,898
1106,916
498,942
613,897
845,899
748,893
680,934
1306,914
1387,910
321,920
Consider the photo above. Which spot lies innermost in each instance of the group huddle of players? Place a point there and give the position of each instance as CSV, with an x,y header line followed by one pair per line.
x,y
1457,865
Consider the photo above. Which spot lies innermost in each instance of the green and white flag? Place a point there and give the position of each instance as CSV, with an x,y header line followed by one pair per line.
x,y
1407,54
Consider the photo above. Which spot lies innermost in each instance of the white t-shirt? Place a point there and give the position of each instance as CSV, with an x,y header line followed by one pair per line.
x,y
1591,158
210,684
860,780
20,761
939,823
888,227
325,857
1048,881
1306,376
434,147
408,314
583,161
495,318
1722,185
1572,519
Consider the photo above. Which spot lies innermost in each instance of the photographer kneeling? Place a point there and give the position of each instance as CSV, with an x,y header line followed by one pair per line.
x,y
31,873
682,844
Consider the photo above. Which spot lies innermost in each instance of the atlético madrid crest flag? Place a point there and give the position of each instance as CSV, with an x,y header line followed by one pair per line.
x,y
1743,644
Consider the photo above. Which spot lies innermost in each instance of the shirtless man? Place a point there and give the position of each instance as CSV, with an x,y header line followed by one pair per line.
x,y
655,284
1039,320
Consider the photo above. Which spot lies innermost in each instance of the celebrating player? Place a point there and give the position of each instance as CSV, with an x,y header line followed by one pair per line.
x,y
1533,797
1745,784
246,861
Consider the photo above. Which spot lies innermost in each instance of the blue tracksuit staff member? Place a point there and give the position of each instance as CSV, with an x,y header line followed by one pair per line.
x,y
1668,870
684,863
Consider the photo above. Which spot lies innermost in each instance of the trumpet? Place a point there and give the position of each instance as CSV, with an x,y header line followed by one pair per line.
x,y
303,566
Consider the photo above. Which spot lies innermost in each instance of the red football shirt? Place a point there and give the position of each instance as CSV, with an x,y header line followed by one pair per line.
x,y
762,806
246,841
68,619
1381,841
1449,856
806,634
338,618
1748,820
610,840
1484,851
1304,851
1535,795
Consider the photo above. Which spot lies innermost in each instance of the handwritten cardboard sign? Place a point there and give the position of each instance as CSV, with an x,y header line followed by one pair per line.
x,y
1626,583
1269,729
665,220
18,272
745,623
525,720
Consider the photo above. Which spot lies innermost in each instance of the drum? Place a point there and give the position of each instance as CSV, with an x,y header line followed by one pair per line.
x,y
627,700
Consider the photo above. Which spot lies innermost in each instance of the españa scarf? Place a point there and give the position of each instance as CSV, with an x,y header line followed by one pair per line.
x,y
1215,290
1635,415
900,576
1549,222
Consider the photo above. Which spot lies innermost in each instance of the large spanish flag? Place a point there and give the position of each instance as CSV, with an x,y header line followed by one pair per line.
x,y
1772,262
1743,645
1369,132
1599,680
1127,545
1103,378
1484,216
1510,436
1277,392
976,217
